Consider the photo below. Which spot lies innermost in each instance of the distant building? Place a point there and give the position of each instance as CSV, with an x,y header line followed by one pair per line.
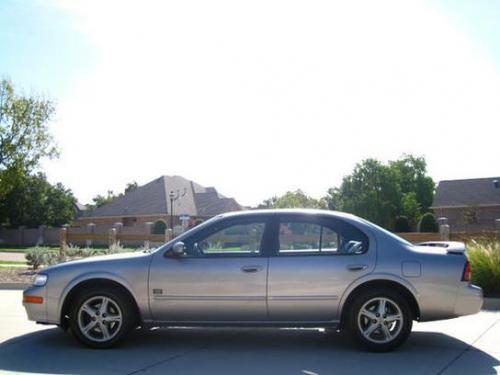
x,y
470,205
150,203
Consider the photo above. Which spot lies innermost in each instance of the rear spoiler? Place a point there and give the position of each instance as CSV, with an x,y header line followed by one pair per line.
x,y
452,247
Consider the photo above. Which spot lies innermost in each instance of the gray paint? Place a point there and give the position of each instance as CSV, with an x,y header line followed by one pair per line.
x,y
302,291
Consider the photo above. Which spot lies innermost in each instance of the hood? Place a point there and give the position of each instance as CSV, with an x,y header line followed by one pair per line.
x,y
100,259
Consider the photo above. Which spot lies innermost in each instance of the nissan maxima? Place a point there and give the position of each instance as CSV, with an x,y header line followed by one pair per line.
x,y
278,268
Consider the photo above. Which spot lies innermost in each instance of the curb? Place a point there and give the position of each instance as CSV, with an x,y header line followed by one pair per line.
x,y
14,286
491,304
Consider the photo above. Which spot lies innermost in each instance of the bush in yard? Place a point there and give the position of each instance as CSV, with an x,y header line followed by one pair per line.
x,y
36,256
402,224
428,223
484,257
54,257
73,251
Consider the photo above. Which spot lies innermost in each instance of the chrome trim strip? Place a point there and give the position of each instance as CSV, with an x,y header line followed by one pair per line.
x,y
303,298
210,298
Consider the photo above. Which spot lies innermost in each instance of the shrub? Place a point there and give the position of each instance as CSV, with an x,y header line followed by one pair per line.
x,y
402,224
53,257
73,251
115,248
35,256
484,257
428,223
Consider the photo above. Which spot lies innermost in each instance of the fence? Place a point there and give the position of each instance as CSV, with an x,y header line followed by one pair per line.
x,y
113,237
136,237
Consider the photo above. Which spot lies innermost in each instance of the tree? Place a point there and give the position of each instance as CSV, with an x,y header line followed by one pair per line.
x,y
293,199
33,201
100,200
131,186
24,135
402,224
428,223
381,192
412,176
410,208
371,192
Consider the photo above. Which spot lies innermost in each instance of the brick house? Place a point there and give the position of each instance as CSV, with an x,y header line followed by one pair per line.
x,y
150,204
471,205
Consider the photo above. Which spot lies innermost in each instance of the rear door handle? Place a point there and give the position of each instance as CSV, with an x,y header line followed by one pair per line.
x,y
251,269
357,267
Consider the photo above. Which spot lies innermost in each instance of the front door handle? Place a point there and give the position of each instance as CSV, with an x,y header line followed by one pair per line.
x,y
357,267
251,269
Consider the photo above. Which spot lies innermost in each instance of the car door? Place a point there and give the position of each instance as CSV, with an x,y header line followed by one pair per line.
x,y
315,259
221,277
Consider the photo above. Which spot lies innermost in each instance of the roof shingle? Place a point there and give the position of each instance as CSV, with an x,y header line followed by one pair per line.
x,y
470,192
153,199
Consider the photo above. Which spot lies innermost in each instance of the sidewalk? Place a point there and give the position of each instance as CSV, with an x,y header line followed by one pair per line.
x,y
12,257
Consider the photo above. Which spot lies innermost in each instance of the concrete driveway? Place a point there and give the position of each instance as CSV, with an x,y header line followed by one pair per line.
x,y
468,345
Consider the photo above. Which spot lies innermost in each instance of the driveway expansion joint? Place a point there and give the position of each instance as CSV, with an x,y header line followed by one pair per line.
x,y
468,348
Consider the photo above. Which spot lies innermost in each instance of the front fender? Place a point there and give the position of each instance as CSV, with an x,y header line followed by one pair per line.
x,y
90,276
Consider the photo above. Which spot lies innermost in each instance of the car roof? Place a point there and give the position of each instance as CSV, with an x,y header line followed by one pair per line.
x,y
298,211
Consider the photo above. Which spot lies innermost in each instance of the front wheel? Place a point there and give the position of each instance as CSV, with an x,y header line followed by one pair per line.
x,y
380,319
100,318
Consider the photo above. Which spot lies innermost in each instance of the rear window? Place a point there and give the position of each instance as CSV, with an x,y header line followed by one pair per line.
x,y
309,236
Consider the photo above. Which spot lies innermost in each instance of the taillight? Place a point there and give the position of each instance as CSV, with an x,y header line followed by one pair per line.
x,y
467,273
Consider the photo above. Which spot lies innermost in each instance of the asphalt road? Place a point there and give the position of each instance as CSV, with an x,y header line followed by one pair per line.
x,y
468,345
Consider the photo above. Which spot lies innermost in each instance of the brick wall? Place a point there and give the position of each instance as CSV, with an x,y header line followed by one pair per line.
x,y
103,224
485,216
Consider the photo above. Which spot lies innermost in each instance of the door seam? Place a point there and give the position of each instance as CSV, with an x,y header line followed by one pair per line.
x,y
267,287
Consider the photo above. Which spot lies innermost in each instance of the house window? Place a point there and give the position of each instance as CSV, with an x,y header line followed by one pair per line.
x,y
129,221
159,227
471,216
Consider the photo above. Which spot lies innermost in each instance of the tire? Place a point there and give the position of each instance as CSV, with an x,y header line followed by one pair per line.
x,y
380,320
101,329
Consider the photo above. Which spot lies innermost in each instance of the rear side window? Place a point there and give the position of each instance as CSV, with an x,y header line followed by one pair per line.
x,y
308,236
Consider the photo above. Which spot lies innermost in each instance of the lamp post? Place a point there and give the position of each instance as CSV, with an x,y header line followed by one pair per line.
x,y
172,197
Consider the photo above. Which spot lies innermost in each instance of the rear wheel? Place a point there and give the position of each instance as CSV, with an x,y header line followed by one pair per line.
x,y
100,318
380,319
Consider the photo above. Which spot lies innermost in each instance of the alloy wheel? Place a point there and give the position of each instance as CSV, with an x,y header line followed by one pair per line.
x,y
99,318
380,320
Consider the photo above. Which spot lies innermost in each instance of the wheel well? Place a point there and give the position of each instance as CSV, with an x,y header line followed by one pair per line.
x,y
412,302
101,283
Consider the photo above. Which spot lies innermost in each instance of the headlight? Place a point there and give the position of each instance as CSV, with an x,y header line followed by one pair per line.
x,y
40,280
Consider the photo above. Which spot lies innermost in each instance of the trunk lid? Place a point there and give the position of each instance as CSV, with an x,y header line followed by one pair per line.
x,y
450,247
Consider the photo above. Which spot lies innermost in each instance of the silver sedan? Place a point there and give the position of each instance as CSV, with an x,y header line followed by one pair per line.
x,y
280,268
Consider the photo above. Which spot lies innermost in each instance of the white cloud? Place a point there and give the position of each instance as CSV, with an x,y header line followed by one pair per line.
x,y
262,97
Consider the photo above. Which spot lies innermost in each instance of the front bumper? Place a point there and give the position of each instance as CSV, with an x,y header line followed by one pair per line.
x,y
469,300
36,311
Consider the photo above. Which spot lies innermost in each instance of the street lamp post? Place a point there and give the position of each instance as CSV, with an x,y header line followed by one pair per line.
x,y
172,197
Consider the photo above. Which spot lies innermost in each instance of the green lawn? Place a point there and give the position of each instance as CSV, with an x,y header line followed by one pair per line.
x,y
19,249
11,262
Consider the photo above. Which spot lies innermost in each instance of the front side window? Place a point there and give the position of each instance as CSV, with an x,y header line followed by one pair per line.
x,y
323,237
237,239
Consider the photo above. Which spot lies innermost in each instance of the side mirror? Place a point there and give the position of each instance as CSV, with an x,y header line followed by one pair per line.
x,y
178,249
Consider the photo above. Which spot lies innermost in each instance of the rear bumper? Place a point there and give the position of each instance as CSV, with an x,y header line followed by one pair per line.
x,y
469,300
36,311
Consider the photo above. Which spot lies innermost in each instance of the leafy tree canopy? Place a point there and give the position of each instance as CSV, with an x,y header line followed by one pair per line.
x,y
33,201
381,192
100,200
293,199
24,135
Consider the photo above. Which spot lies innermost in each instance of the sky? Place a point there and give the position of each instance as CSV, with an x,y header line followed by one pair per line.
x,y
257,98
